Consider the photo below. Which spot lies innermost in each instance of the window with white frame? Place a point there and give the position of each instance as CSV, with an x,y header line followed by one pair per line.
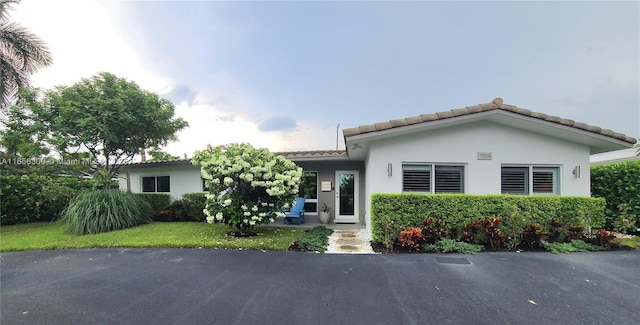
x,y
432,178
309,191
523,180
156,184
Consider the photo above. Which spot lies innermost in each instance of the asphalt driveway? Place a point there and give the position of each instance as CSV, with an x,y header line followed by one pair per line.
x,y
170,286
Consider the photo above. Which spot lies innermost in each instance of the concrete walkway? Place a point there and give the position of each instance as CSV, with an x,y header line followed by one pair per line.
x,y
350,241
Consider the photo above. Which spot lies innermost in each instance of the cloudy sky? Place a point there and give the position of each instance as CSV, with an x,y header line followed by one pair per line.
x,y
283,75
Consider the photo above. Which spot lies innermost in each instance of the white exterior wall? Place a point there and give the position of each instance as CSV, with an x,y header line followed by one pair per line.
x,y
182,178
461,144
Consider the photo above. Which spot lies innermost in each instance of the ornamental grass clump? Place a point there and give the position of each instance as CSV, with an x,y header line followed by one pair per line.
x,y
247,186
99,211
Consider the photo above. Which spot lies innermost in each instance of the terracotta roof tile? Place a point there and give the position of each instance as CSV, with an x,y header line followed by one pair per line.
x,y
495,104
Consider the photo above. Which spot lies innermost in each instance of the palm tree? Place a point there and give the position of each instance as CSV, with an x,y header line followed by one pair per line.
x,y
21,54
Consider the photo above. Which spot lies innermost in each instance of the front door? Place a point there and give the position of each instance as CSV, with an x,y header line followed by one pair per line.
x,y
347,196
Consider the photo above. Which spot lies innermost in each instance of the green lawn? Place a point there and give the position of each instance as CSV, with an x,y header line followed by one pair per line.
x,y
51,235
632,243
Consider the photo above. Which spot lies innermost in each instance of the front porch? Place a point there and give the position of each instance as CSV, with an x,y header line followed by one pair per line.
x,y
313,223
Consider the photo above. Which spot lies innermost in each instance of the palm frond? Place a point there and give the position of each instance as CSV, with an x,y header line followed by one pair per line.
x,y
27,49
5,7
22,53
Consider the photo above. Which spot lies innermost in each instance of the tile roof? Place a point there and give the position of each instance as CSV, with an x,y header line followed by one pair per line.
x,y
159,162
314,154
496,104
292,155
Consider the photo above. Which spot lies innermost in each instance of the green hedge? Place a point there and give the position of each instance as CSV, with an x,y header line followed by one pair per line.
x,y
157,201
392,213
194,204
33,198
618,183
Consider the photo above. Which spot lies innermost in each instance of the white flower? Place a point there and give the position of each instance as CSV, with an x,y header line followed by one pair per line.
x,y
244,207
252,223
271,220
226,203
219,216
209,219
228,181
254,208
246,213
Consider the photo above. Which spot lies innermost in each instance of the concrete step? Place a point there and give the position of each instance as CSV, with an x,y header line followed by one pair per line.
x,y
352,241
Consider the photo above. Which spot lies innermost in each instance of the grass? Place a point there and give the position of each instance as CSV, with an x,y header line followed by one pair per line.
x,y
51,235
630,243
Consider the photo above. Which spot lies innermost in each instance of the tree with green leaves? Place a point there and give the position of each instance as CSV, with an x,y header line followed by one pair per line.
x,y
109,118
22,53
158,154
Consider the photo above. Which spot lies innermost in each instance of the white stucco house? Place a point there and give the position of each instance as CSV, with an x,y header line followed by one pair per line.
x,y
488,148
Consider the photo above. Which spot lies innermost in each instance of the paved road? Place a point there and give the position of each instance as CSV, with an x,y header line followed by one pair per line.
x,y
171,286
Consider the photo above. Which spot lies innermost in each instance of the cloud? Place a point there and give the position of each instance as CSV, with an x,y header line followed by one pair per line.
x,y
278,123
182,93
226,118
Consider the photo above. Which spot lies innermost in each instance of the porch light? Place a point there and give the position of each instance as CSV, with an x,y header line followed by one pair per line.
x,y
576,172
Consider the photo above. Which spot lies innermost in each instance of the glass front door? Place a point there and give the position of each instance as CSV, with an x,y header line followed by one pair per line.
x,y
347,205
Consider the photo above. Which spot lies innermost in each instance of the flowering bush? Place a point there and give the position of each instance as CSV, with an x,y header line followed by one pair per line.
x,y
247,186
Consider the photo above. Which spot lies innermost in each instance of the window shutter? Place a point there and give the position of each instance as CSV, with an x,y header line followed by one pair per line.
x,y
449,179
416,178
514,180
543,180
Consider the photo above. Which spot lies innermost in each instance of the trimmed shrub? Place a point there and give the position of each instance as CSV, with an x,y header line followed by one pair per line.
x,y
34,198
157,201
187,209
392,213
194,204
619,184
99,211
21,199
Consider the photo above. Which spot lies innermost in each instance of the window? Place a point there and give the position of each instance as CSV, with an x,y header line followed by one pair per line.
x,y
153,184
309,191
205,188
529,179
445,179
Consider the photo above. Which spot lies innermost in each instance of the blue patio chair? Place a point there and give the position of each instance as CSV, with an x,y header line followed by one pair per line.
x,y
296,213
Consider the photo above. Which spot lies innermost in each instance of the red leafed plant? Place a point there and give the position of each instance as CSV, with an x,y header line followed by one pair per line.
x,y
532,235
490,228
604,237
411,238
433,230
